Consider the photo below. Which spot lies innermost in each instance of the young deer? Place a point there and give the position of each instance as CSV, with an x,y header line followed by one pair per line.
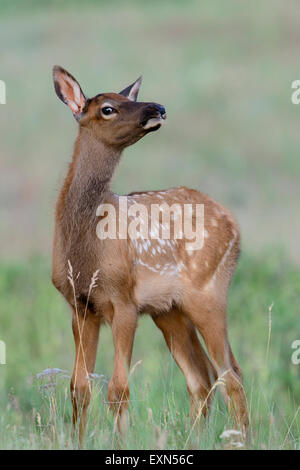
x,y
183,290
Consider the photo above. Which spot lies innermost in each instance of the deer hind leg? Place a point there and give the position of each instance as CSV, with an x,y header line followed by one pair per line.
x,y
209,316
186,349
123,325
86,334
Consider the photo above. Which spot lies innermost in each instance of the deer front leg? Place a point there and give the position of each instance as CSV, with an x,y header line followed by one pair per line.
x,y
123,329
86,334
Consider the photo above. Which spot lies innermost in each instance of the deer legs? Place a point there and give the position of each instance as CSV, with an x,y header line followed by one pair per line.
x,y
86,334
184,345
209,316
123,329
178,328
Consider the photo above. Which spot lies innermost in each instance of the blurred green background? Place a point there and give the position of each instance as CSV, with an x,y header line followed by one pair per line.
x,y
224,72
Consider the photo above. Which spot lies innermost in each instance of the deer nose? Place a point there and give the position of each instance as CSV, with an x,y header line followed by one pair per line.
x,y
161,109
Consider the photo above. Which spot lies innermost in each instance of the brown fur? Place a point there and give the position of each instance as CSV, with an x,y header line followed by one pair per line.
x,y
129,283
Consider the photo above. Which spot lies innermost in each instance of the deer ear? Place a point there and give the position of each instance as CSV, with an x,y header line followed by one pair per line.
x,y
131,92
68,90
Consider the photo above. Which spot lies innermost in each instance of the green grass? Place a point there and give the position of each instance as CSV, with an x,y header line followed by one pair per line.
x,y
35,324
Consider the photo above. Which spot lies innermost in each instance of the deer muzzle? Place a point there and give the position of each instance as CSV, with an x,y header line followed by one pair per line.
x,y
154,116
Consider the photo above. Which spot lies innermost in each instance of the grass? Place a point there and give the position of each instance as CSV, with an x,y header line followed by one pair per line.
x,y
35,324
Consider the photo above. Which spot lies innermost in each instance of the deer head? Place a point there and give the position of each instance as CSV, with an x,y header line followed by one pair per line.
x,y
116,119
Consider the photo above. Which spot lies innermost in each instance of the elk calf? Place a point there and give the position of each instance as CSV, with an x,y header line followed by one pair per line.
x,y
184,290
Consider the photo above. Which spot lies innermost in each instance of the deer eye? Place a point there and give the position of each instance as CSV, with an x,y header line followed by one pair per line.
x,y
107,110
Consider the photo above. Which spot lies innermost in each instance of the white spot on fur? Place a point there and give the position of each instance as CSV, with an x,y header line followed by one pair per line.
x,y
145,265
181,266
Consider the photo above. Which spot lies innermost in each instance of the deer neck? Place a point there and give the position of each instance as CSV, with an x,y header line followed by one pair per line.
x,y
88,180
93,160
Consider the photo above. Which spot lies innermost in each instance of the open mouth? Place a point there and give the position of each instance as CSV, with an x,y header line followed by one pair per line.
x,y
154,123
